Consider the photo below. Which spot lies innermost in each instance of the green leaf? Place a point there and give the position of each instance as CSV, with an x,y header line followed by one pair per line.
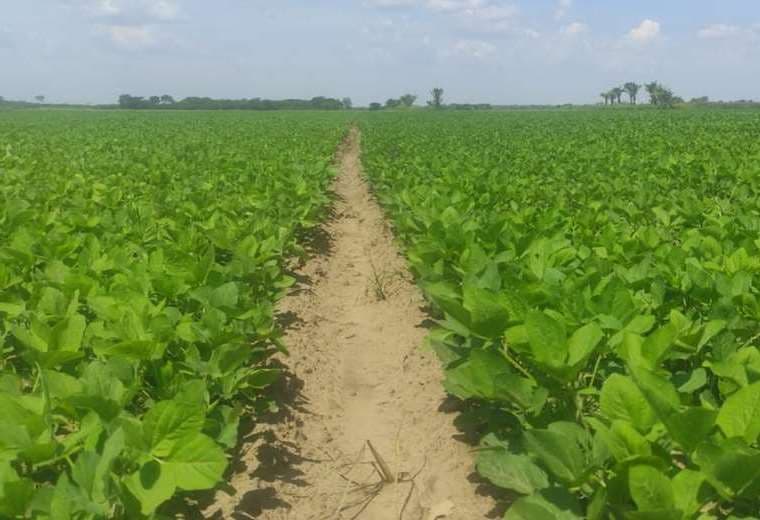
x,y
225,296
152,485
487,375
547,339
730,467
135,350
448,300
621,399
690,426
739,416
650,489
659,392
583,343
622,440
196,463
67,335
688,487
489,317
510,471
561,449
169,421
12,310
657,345
550,504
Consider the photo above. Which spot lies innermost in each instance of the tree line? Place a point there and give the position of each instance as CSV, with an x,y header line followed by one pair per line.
x,y
166,101
435,102
659,95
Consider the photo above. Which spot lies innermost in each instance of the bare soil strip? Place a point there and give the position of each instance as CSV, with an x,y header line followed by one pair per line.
x,y
362,433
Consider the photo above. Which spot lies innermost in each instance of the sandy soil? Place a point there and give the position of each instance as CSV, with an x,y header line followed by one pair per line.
x,y
357,381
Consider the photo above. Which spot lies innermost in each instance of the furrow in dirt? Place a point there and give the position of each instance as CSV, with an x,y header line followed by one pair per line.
x,y
356,376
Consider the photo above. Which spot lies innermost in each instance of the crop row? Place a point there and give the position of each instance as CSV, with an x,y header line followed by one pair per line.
x,y
140,258
596,278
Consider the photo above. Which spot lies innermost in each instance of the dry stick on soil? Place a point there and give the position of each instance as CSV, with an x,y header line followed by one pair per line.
x,y
348,483
385,471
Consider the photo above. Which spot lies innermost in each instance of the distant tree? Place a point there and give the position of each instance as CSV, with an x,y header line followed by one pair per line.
x,y
661,96
393,103
700,100
375,106
408,100
632,89
154,100
606,97
39,99
324,103
127,101
651,89
166,99
2,99
347,103
436,98
617,93
666,98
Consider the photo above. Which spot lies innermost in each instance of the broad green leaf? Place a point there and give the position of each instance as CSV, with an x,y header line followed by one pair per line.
x,y
170,421
688,491
448,300
739,417
551,504
196,463
67,335
583,343
650,489
690,426
547,339
659,392
657,345
621,399
152,485
510,471
730,467
560,449
489,317
487,375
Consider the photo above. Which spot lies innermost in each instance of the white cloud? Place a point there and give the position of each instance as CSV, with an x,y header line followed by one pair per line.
x,y
133,11
391,3
163,9
454,5
575,29
473,49
721,31
563,6
104,7
647,31
475,15
131,37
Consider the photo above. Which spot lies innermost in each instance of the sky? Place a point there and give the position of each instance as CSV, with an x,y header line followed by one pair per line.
x,y
489,51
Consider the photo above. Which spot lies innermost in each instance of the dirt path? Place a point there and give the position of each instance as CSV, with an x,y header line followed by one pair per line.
x,y
356,374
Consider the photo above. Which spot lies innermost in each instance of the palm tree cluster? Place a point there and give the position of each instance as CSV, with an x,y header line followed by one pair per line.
x,y
616,94
659,95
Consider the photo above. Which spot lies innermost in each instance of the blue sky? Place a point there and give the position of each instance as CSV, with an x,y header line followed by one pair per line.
x,y
497,51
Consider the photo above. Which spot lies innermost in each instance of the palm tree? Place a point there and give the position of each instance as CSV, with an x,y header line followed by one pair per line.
x,y
652,89
618,93
606,97
633,91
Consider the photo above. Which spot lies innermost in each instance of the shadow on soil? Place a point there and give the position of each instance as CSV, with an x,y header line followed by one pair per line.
x,y
469,435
